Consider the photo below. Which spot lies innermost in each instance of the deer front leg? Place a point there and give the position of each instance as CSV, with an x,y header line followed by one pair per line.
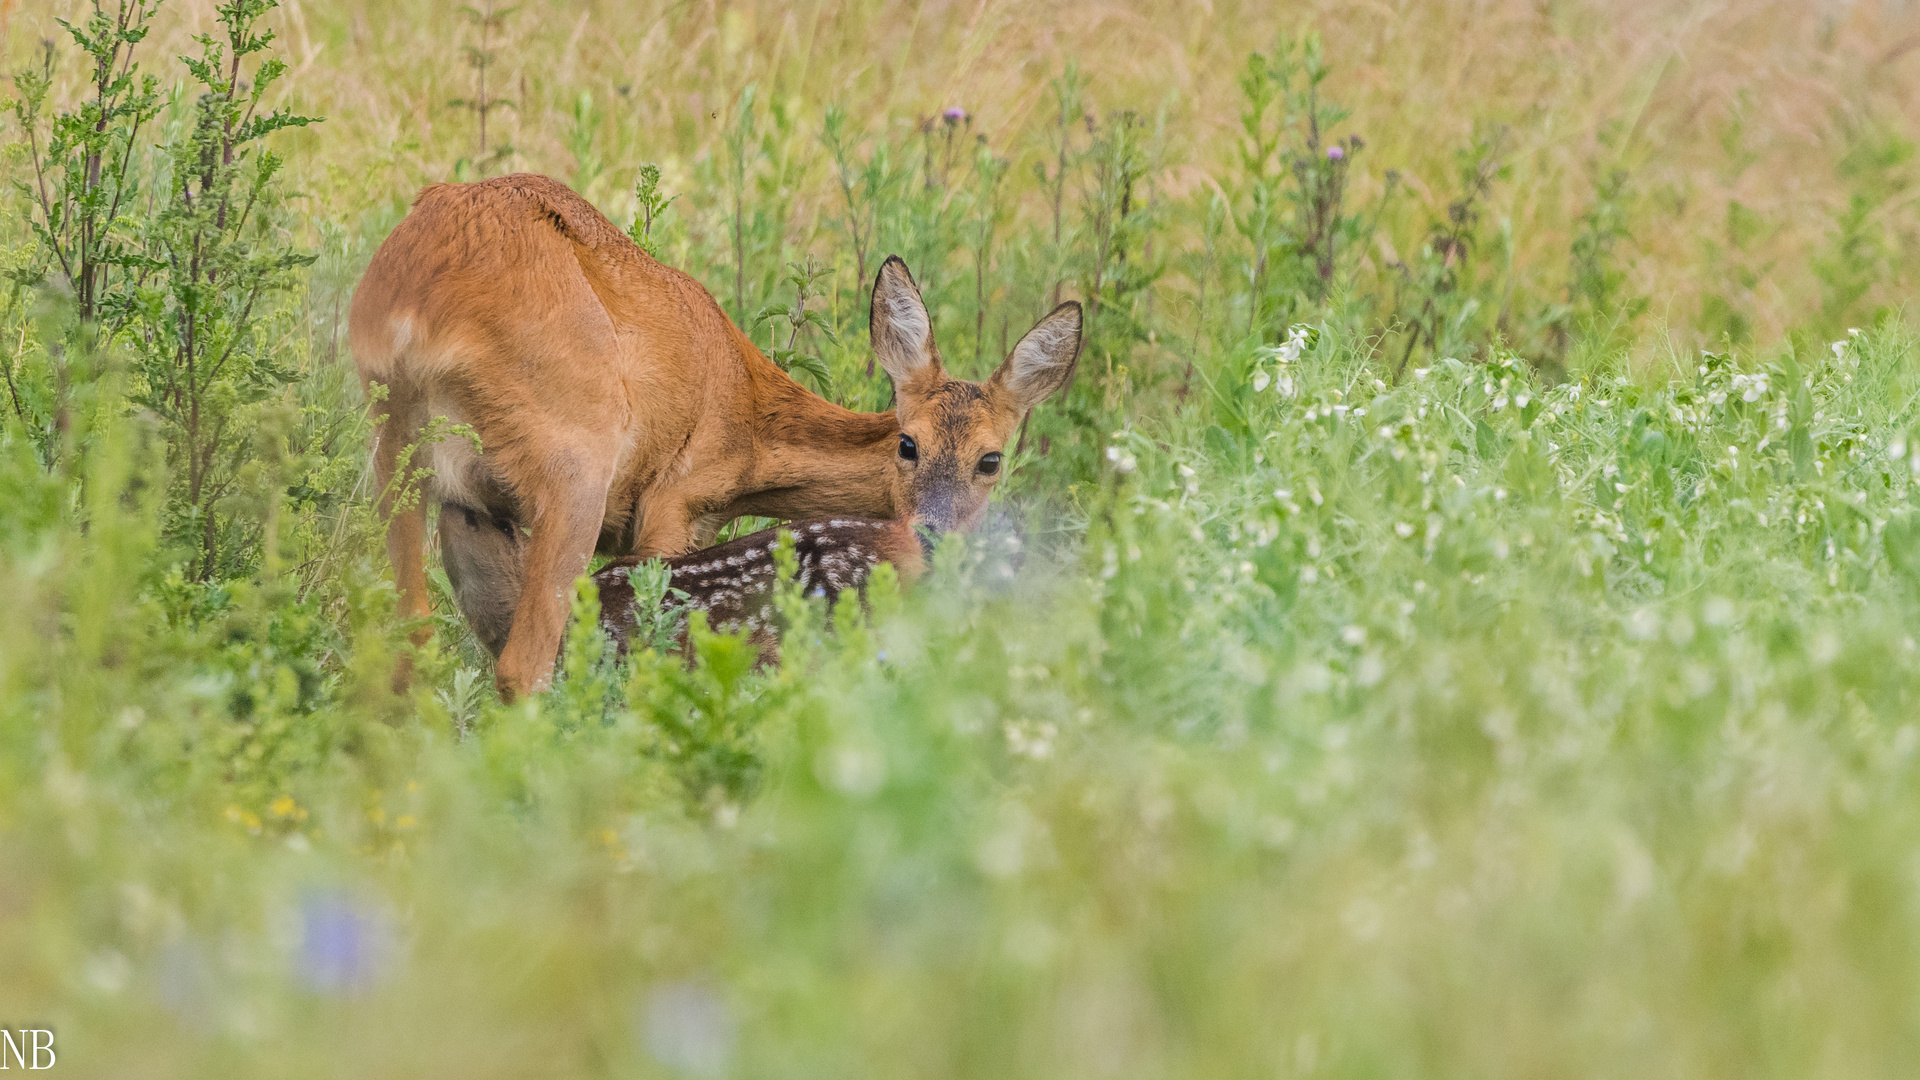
x,y
564,524
667,530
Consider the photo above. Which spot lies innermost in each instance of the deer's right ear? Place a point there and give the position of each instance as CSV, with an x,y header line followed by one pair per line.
x,y
902,333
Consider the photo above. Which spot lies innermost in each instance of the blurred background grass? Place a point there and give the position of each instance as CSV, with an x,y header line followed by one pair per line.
x,y
1459,624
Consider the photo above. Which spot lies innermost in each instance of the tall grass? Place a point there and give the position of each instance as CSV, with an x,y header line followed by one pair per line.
x,y
1459,624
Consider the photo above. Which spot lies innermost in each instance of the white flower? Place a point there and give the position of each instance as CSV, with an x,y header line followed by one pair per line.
x,y
1296,342
1260,381
1752,387
1030,740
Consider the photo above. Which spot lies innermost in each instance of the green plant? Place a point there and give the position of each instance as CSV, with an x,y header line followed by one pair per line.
x,y
581,134
1068,91
86,175
986,200
1117,217
650,208
1436,301
487,21
212,267
791,358
659,612
1291,203
863,187
1874,169
743,154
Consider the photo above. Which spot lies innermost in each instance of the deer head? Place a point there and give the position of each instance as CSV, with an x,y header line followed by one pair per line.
x,y
953,432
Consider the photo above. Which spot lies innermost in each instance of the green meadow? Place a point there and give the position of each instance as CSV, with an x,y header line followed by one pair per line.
x,y
1460,622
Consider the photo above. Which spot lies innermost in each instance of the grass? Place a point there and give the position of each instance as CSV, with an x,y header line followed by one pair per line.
x,y
1545,709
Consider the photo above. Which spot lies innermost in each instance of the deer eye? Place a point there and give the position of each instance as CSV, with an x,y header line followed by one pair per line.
x,y
989,464
909,450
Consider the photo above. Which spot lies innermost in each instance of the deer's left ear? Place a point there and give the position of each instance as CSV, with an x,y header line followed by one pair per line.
x,y
1043,361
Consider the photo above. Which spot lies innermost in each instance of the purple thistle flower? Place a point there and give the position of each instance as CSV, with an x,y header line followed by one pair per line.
x,y
1335,153
954,114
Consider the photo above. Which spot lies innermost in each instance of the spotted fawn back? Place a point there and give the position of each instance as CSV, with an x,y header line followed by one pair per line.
x,y
733,582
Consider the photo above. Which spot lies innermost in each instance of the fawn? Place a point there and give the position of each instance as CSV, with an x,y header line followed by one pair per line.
x,y
732,583
618,409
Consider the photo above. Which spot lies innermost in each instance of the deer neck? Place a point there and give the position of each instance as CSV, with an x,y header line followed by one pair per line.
x,y
813,458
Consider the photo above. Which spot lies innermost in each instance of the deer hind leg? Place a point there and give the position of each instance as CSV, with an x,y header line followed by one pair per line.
x,y
563,515
484,555
403,506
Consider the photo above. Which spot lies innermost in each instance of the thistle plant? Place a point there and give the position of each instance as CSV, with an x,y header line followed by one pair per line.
x,y
650,207
807,367
480,58
212,267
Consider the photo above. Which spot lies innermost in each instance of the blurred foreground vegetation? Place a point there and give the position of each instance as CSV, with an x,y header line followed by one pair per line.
x,y
1460,623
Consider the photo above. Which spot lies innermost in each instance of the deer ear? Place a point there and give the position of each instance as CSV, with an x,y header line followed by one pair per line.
x,y
1043,361
902,333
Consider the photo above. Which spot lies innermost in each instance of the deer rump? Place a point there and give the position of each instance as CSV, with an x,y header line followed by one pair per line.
x,y
732,582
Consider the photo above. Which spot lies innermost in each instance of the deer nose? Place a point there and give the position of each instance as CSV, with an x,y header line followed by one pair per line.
x,y
927,524
935,512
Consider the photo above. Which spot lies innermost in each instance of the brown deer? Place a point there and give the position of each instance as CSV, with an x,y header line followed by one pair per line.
x,y
618,409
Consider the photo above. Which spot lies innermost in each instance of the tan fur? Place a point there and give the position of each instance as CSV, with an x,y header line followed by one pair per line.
x,y
620,410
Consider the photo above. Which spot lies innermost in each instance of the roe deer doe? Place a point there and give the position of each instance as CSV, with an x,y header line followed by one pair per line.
x,y
619,409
